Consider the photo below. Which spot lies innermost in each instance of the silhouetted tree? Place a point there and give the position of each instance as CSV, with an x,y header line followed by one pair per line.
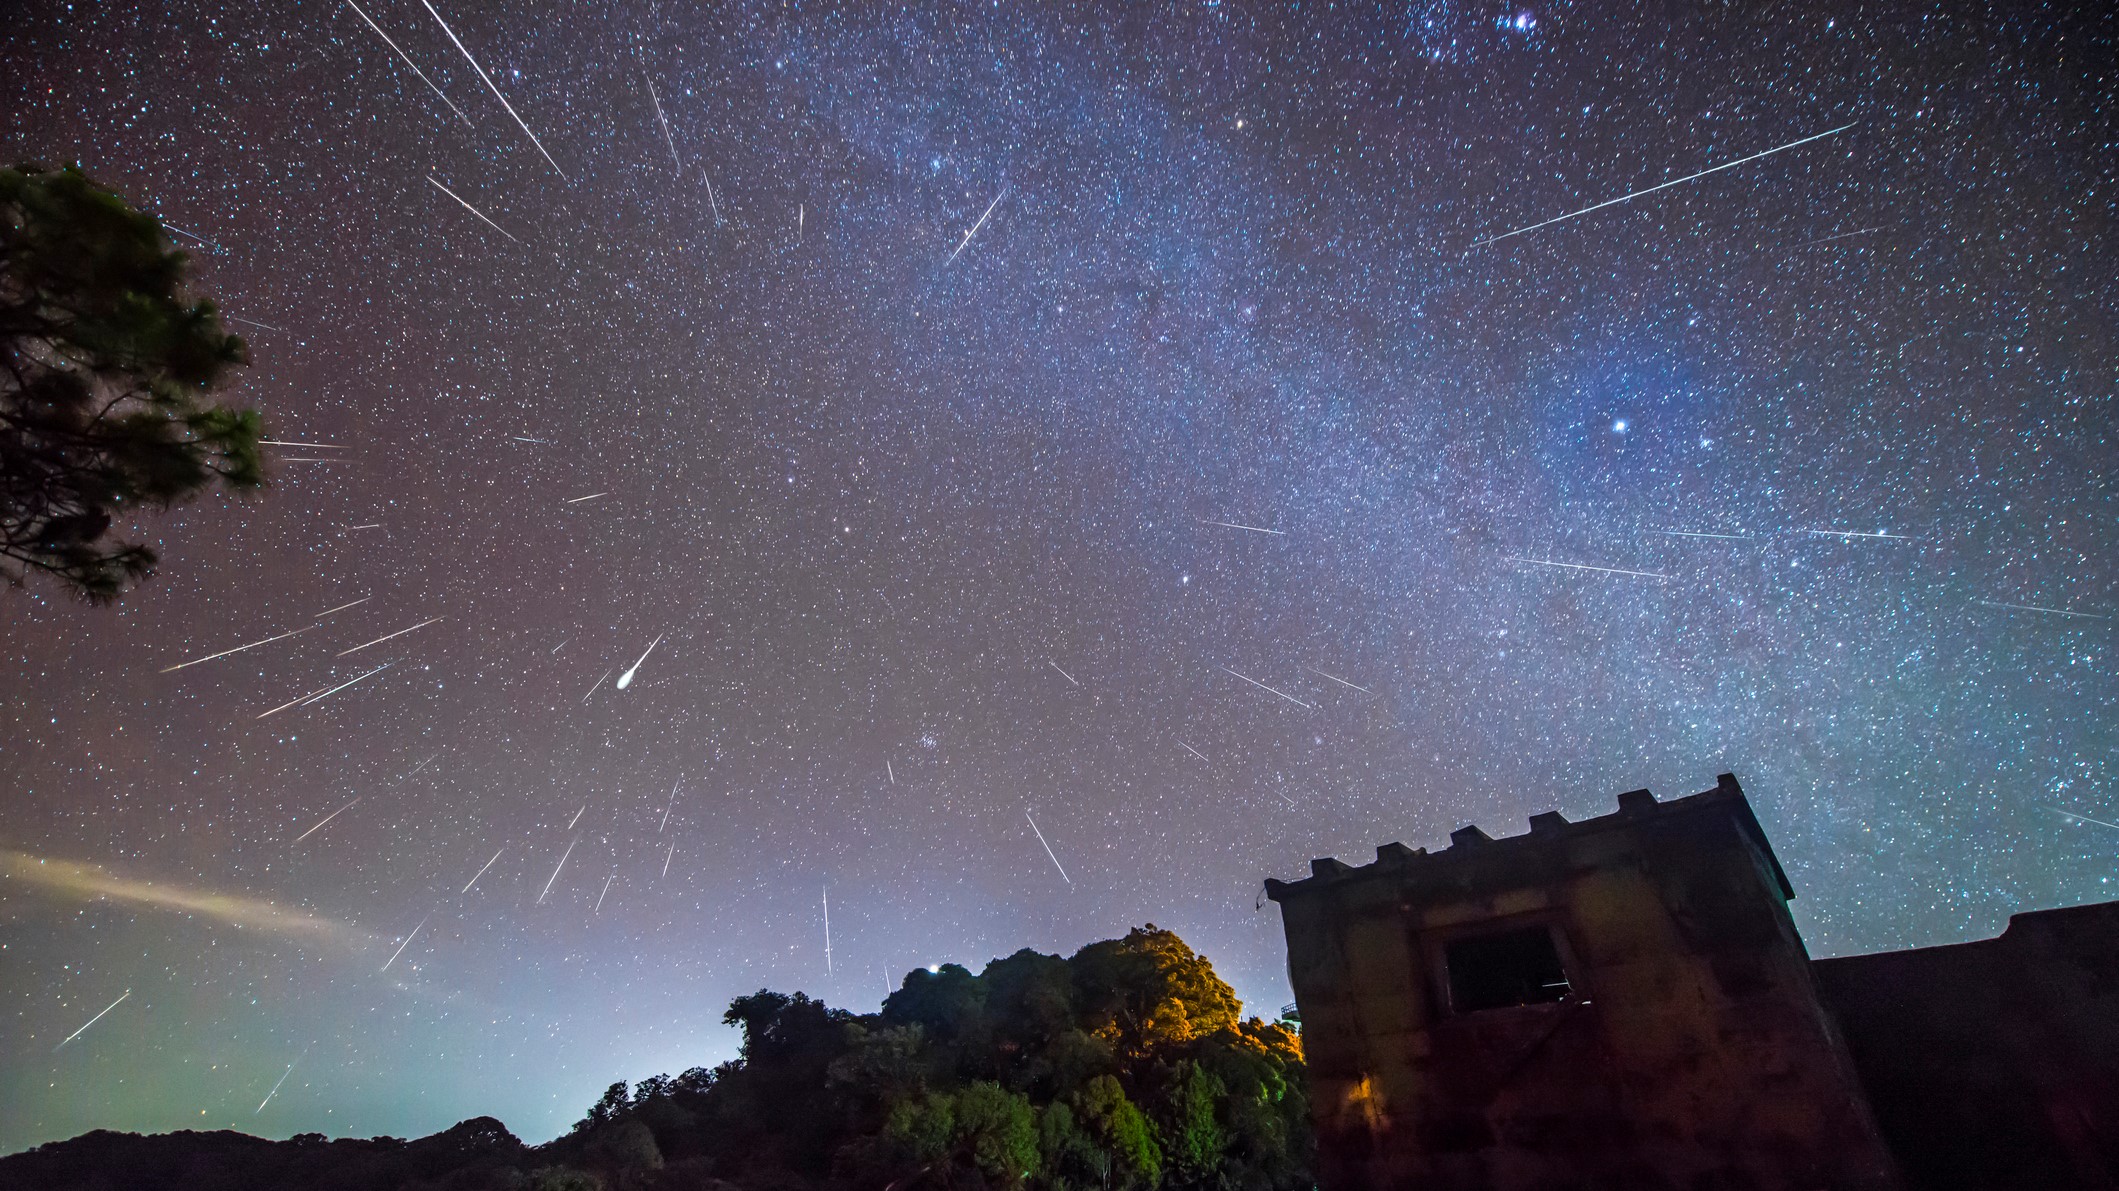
x,y
105,367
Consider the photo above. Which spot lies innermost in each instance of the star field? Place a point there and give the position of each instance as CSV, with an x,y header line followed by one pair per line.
x,y
891,368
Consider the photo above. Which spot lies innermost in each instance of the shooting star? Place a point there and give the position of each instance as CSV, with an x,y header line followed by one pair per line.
x,y
966,242
1341,681
399,633
407,943
193,236
556,648
801,220
91,1021
578,499
1263,687
1278,533
341,607
496,90
238,649
606,893
521,438
577,816
473,210
320,695
1727,165
237,318
1062,673
1578,566
276,1086
891,772
408,61
2056,810
711,201
663,119
672,806
290,703
1693,533
1848,533
370,525
1048,850
562,863
626,679
827,932
2041,608
480,873
667,857
1843,235
1195,752
422,765
320,824
306,446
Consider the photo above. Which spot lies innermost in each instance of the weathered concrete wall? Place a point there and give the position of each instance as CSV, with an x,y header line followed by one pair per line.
x,y
1993,1065
1692,1052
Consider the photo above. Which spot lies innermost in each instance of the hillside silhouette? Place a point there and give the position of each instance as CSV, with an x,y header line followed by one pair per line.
x,y
1126,1066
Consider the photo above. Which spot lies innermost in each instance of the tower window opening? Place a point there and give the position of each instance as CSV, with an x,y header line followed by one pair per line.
x,y
1497,971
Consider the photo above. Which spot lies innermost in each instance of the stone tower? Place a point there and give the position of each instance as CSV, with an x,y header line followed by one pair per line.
x,y
1620,1003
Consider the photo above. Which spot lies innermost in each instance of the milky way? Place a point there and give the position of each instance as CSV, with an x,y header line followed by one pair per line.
x,y
919,382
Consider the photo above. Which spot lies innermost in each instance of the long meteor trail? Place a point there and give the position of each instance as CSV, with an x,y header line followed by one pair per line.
x,y
496,90
399,633
480,873
326,819
966,242
562,864
626,679
1062,673
1341,681
91,1021
238,649
1048,850
407,943
1582,566
1727,165
1263,687
473,210
276,1086
2041,608
409,62
1279,533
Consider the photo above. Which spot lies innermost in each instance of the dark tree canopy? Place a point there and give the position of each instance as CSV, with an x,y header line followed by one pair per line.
x,y
105,370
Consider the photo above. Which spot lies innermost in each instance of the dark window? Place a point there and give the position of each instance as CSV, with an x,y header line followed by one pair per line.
x,y
1518,967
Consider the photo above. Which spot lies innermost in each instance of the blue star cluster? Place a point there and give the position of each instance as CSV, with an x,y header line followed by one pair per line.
x,y
1024,471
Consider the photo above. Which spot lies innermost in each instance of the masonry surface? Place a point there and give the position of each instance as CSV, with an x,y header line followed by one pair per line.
x,y
1625,1002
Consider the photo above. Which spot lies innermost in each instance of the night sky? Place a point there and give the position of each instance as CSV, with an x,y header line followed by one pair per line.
x,y
894,378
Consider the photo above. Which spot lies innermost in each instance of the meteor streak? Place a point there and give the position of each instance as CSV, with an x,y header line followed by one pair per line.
x,y
1578,566
1843,235
1048,850
276,1086
313,696
1062,673
343,607
1278,533
669,856
664,120
1263,687
237,318
307,446
1662,186
201,239
1693,533
1341,681
562,864
975,228
238,649
710,200
408,61
1848,533
827,932
1195,752
91,1021
480,873
407,943
597,687
399,633
473,210
2056,810
577,816
892,772
496,90
606,893
672,806
2040,608
578,499
626,679
320,823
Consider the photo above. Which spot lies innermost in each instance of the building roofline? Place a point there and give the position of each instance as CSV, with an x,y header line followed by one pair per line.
x,y
1395,860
